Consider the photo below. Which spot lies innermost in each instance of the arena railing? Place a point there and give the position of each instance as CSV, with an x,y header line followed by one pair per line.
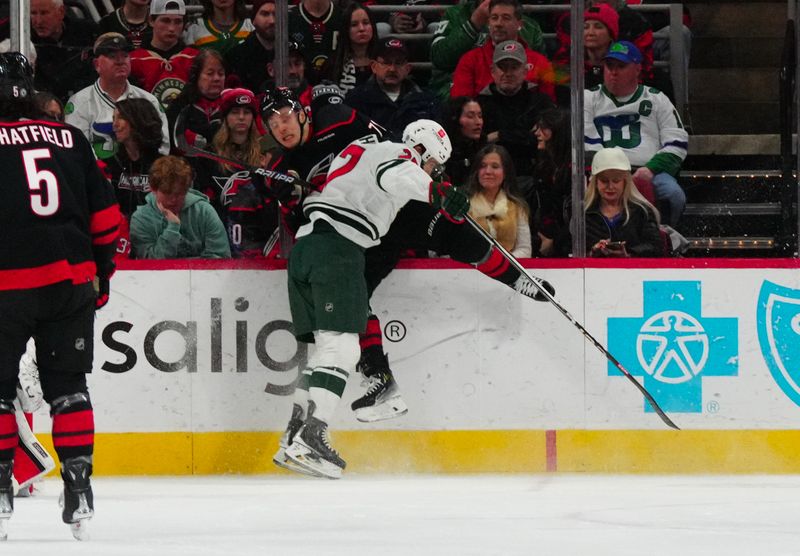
x,y
675,63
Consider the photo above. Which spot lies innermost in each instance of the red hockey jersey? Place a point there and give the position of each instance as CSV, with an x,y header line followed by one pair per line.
x,y
164,78
59,217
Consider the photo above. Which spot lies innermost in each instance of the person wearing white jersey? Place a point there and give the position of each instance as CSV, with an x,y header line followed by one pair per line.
x,y
91,110
641,121
368,183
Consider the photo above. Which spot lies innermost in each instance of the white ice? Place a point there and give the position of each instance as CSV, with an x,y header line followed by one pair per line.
x,y
552,514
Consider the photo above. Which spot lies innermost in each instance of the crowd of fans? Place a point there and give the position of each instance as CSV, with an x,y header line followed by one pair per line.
x,y
148,70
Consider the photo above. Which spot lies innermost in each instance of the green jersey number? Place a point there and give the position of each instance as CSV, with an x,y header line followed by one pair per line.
x,y
624,131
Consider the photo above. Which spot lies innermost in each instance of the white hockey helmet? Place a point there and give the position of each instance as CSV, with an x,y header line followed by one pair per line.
x,y
433,138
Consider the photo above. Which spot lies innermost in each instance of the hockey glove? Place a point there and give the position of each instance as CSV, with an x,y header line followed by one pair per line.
x,y
452,202
102,287
278,189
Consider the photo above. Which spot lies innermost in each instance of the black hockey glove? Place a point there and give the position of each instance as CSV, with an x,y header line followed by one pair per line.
x,y
452,202
103,289
278,189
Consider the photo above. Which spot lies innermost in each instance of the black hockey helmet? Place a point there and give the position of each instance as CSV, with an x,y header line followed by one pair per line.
x,y
16,77
277,98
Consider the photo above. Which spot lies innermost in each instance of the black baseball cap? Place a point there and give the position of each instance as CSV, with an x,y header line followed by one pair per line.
x,y
111,42
389,47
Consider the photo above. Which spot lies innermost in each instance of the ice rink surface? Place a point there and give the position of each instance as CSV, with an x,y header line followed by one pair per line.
x,y
437,515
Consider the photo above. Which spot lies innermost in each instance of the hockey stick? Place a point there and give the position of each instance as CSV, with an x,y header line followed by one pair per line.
x,y
197,149
516,264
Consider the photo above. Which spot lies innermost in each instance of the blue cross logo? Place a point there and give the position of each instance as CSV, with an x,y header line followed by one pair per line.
x,y
673,346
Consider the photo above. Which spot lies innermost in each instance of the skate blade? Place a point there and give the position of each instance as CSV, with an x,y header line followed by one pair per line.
x,y
3,529
307,459
282,460
390,409
80,529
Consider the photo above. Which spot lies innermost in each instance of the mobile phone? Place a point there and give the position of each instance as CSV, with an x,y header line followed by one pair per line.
x,y
615,245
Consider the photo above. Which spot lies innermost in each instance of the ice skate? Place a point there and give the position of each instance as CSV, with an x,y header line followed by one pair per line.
x,y
312,449
280,458
527,288
382,399
6,497
77,499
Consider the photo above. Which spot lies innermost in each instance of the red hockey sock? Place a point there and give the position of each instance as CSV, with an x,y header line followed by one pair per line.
x,y
497,267
8,430
372,336
73,432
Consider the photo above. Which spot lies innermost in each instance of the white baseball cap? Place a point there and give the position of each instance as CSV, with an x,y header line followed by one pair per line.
x,y
610,159
167,7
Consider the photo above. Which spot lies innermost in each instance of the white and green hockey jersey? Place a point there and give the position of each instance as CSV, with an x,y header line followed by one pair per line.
x,y
646,126
368,184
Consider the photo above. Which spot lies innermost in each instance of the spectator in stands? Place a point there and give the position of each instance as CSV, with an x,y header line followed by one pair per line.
x,y
296,74
201,97
511,106
91,110
350,66
550,199
390,97
248,60
161,66
224,25
49,105
620,222
137,130
643,122
464,125
237,139
633,27
130,21
462,29
600,29
63,65
176,221
495,202
316,24
474,69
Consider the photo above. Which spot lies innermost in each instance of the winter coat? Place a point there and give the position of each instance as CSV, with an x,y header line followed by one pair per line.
x,y
413,104
474,71
199,234
641,233
455,35
505,220
513,117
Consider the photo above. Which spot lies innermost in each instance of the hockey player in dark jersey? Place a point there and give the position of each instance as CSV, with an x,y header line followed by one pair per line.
x,y
59,223
308,152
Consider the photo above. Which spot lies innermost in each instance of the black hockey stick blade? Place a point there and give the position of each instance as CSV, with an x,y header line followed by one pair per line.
x,y
516,264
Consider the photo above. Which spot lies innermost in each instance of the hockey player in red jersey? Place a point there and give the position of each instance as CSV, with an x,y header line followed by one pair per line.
x,y
59,224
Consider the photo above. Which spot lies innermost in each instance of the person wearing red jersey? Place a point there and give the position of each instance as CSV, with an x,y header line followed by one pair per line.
x,y
59,222
161,66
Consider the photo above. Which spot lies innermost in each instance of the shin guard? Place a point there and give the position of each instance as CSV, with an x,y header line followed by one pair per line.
x,y
73,426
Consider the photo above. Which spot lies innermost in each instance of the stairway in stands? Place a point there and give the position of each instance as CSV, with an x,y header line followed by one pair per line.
x,y
738,205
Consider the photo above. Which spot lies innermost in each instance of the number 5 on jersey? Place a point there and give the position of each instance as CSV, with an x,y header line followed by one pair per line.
x,y
42,184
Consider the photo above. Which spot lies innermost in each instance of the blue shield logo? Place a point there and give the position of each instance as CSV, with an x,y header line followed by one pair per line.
x,y
778,320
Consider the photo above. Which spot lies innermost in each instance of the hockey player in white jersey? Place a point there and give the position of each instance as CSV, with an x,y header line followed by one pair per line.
x,y
368,183
641,121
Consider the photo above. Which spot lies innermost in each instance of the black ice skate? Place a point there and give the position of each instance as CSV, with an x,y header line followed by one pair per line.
x,y
280,458
527,288
312,449
6,496
382,399
77,498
